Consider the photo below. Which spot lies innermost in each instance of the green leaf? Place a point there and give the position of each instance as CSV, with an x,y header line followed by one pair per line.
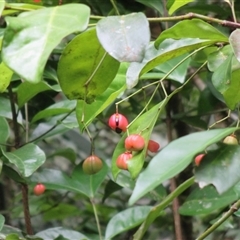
x,y
2,221
205,201
130,33
231,95
27,159
235,44
65,106
12,236
27,91
179,74
173,5
221,77
91,111
158,5
2,6
4,130
30,38
52,233
13,174
169,49
144,125
110,188
68,153
194,28
126,220
216,58
174,158
220,168
85,70
5,76
79,182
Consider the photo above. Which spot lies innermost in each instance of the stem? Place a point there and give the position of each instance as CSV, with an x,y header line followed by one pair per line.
x,y
14,117
230,212
53,127
96,218
155,211
115,7
173,184
26,209
221,120
224,23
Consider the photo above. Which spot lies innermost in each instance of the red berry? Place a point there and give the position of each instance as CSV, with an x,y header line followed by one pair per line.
x,y
198,159
153,146
231,140
134,142
92,165
118,122
39,189
123,159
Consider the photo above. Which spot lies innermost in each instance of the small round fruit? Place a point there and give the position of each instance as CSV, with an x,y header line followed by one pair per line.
x,y
92,165
118,123
39,189
199,158
153,146
134,142
123,159
230,140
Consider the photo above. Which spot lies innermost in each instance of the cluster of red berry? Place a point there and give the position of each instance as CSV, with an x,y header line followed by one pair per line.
x,y
134,142
230,140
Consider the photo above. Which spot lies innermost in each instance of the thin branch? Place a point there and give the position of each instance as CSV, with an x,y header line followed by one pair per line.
x,y
224,23
53,127
97,219
14,117
230,212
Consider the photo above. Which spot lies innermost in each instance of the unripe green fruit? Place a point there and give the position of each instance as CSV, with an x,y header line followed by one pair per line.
x,y
230,140
92,165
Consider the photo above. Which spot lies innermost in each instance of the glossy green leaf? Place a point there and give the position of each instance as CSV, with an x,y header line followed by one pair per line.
x,y
2,221
85,70
23,6
27,159
143,125
5,76
91,111
194,28
12,236
124,37
126,220
79,182
174,158
220,168
174,5
221,77
4,130
27,91
231,95
169,49
206,200
30,38
56,109
235,43
53,233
